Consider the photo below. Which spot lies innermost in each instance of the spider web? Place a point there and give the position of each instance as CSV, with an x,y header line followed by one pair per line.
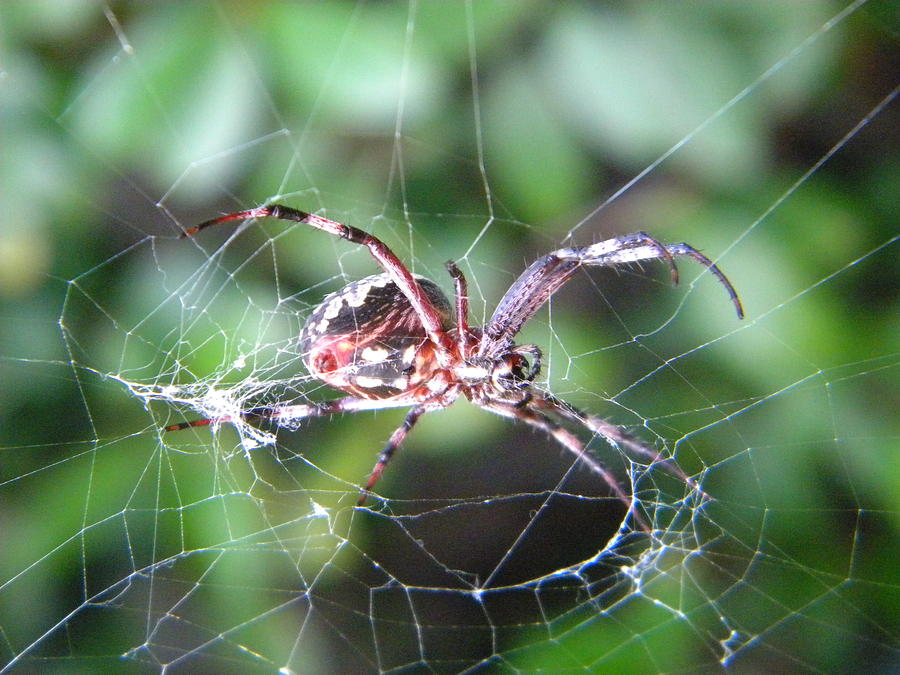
x,y
487,133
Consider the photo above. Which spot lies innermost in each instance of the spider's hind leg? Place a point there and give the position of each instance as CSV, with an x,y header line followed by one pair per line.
x,y
535,418
394,442
615,436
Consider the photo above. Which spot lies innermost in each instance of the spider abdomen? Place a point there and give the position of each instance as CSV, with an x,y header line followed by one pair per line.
x,y
366,339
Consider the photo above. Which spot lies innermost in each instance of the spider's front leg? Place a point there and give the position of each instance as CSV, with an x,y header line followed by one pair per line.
x,y
641,246
548,274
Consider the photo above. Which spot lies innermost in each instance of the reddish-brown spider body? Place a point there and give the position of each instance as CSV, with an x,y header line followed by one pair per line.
x,y
392,340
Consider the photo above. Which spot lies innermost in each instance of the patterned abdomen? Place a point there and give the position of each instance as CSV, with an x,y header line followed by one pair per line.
x,y
366,339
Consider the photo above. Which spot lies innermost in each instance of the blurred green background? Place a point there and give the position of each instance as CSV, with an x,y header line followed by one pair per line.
x,y
488,133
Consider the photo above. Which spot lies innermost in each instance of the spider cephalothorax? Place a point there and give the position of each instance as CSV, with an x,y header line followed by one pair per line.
x,y
393,340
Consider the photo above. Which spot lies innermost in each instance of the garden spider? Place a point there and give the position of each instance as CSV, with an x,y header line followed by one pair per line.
x,y
393,340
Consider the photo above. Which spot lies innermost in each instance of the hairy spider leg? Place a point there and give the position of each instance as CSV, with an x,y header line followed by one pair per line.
x,y
612,252
461,293
384,256
690,251
613,435
569,441
547,274
394,442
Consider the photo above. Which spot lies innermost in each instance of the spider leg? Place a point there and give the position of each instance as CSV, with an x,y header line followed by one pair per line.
x,y
394,442
613,434
640,246
547,274
289,413
533,417
389,262
461,292
690,251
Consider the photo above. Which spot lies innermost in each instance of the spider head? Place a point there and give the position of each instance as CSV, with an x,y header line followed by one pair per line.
x,y
513,370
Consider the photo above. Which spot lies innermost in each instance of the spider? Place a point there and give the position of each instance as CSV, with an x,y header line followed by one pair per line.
x,y
393,340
